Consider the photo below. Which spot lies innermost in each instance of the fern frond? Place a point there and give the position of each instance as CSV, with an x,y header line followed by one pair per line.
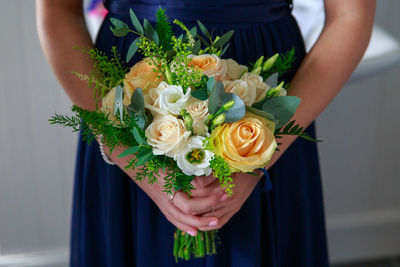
x,y
294,129
164,30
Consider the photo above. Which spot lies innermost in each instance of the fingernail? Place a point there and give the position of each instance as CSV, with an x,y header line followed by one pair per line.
x,y
192,233
213,223
224,197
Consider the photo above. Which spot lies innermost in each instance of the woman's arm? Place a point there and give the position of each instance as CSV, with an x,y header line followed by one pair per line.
x,y
331,61
61,26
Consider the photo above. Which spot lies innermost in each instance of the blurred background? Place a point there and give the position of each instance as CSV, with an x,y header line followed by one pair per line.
x,y
359,159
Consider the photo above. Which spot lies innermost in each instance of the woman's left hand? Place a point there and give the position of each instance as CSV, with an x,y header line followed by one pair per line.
x,y
244,185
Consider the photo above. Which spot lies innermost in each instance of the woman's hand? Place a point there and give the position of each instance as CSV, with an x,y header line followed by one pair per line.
x,y
173,210
178,210
209,198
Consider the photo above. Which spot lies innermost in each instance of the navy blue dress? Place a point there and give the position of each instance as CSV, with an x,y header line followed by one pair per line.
x,y
115,223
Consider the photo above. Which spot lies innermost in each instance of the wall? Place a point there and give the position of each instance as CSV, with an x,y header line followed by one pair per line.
x,y
359,157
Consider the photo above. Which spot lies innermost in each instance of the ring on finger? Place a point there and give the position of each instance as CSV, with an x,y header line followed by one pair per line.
x,y
171,197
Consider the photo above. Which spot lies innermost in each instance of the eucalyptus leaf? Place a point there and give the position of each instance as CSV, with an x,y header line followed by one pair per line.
x,y
282,108
129,151
136,108
200,94
118,105
262,113
272,80
132,49
136,23
150,32
139,139
210,84
224,39
218,98
204,30
144,156
121,28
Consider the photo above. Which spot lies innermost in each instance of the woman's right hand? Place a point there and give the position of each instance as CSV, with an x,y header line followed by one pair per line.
x,y
181,210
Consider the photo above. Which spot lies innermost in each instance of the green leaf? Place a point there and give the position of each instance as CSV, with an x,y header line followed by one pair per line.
x,y
136,108
118,105
200,94
149,32
218,98
204,30
272,80
196,47
182,181
262,113
282,108
224,39
144,156
132,49
224,50
210,84
135,22
193,32
120,28
139,139
129,151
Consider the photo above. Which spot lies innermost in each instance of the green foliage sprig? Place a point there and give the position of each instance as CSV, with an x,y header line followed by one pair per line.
x,y
164,30
106,74
282,64
222,172
294,129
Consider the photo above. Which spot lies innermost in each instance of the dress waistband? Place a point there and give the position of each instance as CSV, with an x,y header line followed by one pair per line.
x,y
208,14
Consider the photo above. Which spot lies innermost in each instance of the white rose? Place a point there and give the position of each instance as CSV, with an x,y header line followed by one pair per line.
x,y
152,100
167,136
242,90
173,99
194,159
209,65
256,81
233,69
199,111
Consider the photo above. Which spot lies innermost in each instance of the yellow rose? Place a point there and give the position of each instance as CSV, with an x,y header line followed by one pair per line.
x,y
209,65
142,75
246,144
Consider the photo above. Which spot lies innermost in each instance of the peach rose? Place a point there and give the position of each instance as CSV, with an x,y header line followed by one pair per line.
x,y
142,75
233,70
209,65
199,111
246,144
242,90
108,103
167,135
256,82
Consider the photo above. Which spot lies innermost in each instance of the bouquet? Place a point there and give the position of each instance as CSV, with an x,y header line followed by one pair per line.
x,y
186,110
